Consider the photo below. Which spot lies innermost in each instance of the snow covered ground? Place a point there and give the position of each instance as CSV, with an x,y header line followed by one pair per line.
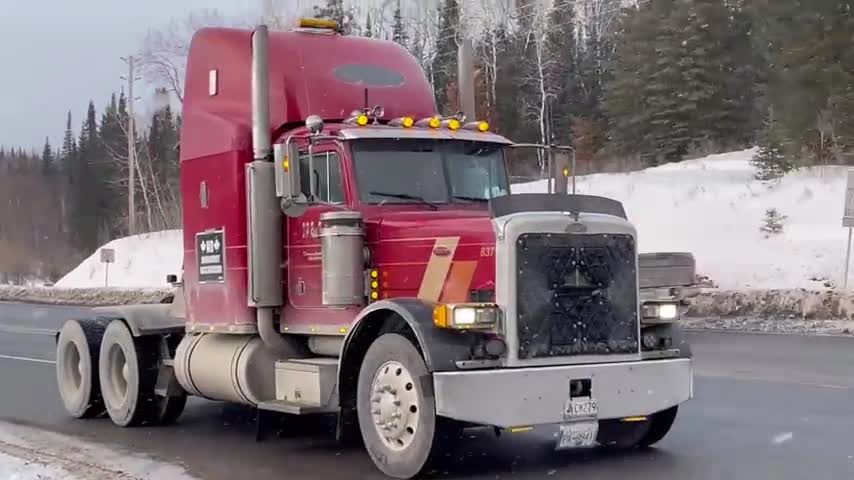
x,y
713,208
141,261
31,454
709,206
13,468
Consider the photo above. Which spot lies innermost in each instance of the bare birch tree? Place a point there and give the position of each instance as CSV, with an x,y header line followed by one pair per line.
x,y
164,51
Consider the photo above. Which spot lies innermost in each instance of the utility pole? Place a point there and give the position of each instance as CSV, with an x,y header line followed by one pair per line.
x,y
131,148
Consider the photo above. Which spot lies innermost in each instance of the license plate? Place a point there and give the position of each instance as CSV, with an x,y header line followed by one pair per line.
x,y
578,435
581,407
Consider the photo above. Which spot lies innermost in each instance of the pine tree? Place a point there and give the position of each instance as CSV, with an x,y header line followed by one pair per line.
x,y
87,190
508,95
593,61
709,72
748,82
47,158
674,86
444,65
562,71
772,224
399,34
333,10
369,32
69,144
113,155
626,100
771,161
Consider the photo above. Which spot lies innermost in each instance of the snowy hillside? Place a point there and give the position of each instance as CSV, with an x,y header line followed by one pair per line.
x,y
710,206
141,261
713,208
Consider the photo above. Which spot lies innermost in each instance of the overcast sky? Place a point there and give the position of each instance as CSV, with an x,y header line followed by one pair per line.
x,y
57,54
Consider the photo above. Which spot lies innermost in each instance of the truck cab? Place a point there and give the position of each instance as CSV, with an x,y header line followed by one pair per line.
x,y
348,250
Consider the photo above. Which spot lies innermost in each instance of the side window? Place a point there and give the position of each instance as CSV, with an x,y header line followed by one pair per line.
x,y
326,177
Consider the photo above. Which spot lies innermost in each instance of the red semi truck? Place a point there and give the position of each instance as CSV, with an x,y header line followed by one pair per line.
x,y
349,251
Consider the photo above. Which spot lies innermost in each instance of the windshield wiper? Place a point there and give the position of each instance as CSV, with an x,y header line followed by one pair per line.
x,y
470,199
406,196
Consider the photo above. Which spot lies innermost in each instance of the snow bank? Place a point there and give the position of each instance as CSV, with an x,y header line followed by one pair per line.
x,y
803,304
713,208
141,261
31,454
92,297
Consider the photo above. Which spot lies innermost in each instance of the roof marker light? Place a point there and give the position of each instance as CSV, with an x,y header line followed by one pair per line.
x,y
318,23
452,123
405,122
482,127
432,122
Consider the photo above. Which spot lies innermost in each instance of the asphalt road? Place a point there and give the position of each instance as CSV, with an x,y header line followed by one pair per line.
x,y
766,407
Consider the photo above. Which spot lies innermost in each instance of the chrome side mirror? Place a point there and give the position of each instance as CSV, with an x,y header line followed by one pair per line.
x,y
288,188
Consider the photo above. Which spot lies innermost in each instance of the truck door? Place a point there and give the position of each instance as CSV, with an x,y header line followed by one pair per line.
x,y
304,254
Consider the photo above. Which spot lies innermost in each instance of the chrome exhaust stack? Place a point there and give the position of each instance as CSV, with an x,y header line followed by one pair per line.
x,y
264,217
261,93
465,76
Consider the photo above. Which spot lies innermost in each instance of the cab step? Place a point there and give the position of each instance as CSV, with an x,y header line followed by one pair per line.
x,y
305,386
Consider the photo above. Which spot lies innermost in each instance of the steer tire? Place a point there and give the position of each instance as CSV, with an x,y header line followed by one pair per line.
x,y
128,369
661,423
417,426
77,350
620,435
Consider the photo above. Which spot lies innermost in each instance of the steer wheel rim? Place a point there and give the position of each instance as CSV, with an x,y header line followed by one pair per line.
x,y
394,405
118,369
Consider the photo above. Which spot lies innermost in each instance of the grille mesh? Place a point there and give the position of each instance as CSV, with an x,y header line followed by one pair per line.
x,y
576,295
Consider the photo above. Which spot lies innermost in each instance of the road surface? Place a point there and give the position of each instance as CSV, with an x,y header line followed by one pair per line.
x,y
766,407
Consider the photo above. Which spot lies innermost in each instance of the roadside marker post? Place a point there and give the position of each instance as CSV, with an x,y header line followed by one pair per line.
x,y
848,222
108,256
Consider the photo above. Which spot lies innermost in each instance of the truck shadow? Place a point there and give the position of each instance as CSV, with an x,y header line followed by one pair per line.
x,y
476,453
479,453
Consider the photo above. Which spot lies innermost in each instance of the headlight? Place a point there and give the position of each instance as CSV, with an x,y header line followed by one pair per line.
x,y
660,312
466,316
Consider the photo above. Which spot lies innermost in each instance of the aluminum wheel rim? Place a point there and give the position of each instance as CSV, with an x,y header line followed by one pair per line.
x,y
118,373
394,405
73,367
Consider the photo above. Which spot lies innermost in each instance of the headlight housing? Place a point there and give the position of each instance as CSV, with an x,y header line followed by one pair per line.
x,y
466,316
667,312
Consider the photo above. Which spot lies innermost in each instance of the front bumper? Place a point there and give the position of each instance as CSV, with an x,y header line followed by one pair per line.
x,y
512,397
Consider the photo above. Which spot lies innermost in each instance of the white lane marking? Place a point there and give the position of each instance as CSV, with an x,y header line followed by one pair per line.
x,y
27,359
26,330
782,438
747,378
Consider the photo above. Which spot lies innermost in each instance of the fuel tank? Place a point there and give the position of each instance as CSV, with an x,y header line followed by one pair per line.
x,y
233,368
441,255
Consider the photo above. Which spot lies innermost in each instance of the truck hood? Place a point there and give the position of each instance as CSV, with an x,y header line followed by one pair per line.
x,y
441,255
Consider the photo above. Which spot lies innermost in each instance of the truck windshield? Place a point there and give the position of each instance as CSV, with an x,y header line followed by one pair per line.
x,y
428,171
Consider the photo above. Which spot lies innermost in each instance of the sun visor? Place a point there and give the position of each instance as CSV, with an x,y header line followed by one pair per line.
x,y
548,202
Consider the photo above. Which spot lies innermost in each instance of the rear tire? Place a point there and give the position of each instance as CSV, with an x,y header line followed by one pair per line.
x,y
171,409
77,352
395,406
128,369
661,424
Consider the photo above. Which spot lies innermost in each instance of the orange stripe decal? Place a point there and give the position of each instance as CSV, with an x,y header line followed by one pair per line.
x,y
458,283
437,268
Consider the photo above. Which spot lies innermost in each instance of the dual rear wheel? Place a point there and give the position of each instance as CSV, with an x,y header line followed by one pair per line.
x,y
101,368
